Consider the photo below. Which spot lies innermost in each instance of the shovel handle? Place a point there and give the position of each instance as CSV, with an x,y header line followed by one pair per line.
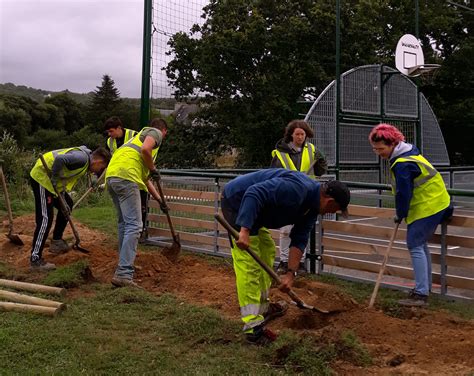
x,y
299,302
235,235
7,200
382,267
157,181
89,190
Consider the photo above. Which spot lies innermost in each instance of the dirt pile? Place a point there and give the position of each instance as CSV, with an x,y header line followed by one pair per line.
x,y
424,342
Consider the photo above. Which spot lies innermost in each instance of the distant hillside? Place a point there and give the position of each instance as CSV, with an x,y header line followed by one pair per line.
x,y
39,95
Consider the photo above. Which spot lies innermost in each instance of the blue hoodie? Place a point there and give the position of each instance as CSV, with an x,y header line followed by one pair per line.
x,y
275,198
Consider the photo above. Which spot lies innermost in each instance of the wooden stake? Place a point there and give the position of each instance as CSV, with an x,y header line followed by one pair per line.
x,y
17,307
21,298
33,287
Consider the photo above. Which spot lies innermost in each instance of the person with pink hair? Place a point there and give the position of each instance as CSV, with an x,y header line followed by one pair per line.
x,y
421,199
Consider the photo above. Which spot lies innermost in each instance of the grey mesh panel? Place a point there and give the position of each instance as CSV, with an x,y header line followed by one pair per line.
x,y
360,90
434,148
354,144
400,96
463,180
322,119
360,94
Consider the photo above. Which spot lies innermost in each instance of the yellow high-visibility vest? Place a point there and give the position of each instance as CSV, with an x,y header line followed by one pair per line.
x,y
429,193
127,162
112,142
68,178
306,160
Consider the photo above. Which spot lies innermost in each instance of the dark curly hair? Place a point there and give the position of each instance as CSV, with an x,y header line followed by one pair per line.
x,y
292,125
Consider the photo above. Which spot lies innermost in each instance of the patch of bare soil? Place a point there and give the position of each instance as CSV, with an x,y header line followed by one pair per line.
x,y
422,343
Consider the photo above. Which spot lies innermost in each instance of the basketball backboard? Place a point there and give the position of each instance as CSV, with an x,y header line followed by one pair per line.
x,y
408,54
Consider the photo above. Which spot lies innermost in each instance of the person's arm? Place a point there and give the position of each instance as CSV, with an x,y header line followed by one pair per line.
x,y
321,165
72,160
147,147
152,191
243,241
294,258
405,173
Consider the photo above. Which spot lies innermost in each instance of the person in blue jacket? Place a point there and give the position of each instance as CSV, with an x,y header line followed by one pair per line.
x,y
421,199
270,199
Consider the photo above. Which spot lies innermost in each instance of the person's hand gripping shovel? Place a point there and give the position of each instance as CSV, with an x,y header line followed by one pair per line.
x,y
65,210
171,252
296,299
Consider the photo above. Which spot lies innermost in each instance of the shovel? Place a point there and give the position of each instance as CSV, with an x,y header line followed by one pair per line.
x,y
298,301
171,252
89,190
14,238
65,210
382,267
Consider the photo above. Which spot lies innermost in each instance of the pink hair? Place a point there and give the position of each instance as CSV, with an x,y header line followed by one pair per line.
x,y
386,133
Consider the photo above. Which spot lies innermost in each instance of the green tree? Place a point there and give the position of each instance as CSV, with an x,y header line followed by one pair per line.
x,y
47,116
73,112
14,121
104,103
255,59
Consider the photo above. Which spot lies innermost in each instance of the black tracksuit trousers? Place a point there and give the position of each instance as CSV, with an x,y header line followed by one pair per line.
x,y
44,204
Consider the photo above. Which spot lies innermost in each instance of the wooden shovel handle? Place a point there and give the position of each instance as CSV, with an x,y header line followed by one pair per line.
x,y
382,267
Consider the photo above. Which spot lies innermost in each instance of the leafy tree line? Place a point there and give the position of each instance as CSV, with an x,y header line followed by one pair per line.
x,y
255,58
60,121
28,126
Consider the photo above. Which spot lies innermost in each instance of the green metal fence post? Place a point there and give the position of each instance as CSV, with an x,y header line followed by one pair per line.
x,y
146,63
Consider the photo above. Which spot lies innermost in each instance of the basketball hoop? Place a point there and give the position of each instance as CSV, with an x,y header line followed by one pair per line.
x,y
410,61
426,72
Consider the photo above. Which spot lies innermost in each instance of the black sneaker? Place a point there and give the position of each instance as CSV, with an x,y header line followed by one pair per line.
x,y
275,310
414,300
41,266
282,268
261,336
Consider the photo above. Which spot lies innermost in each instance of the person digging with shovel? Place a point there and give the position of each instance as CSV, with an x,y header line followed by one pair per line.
x,y
130,169
67,167
421,199
271,199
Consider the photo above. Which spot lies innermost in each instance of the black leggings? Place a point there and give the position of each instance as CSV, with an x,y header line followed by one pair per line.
x,y
44,204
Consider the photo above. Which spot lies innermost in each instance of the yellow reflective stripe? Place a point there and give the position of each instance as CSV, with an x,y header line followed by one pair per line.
x,y
422,179
310,153
250,309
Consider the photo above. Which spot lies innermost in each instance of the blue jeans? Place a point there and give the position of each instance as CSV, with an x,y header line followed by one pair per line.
x,y
421,260
126,198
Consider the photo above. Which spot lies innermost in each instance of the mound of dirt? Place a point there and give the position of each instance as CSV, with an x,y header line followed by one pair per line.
x,y
424,342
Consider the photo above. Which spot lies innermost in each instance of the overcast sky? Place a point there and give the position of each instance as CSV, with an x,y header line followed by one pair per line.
x,y
70,44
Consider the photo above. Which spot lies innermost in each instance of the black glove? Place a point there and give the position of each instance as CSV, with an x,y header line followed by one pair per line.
x,y
397,220
155,174
164,208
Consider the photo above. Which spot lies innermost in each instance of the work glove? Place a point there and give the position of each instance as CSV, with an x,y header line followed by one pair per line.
x,y
397,220
164,208
101,187
155,174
